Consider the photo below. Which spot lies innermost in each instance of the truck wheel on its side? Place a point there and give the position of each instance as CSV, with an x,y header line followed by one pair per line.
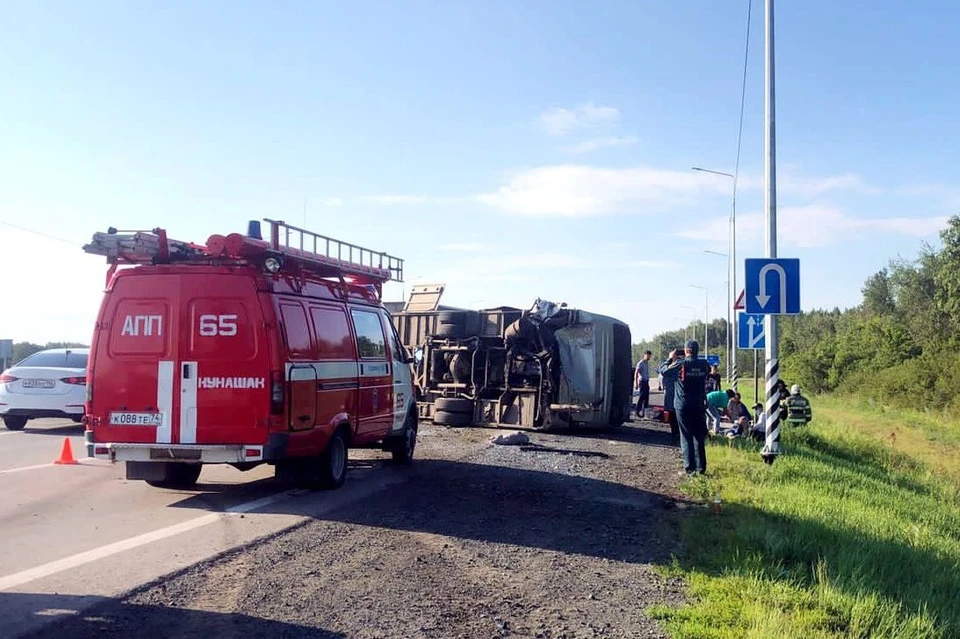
x,y
453,331
444,418
14,422
453,405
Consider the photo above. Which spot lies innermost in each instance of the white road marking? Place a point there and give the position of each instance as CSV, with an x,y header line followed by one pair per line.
x,y
11,432
85,462
22,468
67,563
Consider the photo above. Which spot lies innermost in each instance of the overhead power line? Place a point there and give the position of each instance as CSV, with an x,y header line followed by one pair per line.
x,y
40,233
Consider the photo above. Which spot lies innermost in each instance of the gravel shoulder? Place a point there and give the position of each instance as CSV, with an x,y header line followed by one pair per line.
x,y
481,540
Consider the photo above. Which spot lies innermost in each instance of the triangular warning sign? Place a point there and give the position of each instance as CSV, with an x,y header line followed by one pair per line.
x,y
739,305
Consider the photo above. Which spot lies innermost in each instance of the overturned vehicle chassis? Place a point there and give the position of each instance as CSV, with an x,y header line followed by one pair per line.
x,y
542,368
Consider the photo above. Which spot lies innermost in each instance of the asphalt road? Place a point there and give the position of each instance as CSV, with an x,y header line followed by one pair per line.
x,y
73,535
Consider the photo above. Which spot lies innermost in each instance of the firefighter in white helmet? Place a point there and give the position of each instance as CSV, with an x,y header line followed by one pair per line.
x,y
798,408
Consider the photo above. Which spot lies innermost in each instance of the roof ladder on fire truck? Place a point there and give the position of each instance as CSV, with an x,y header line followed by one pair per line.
x,y
321,252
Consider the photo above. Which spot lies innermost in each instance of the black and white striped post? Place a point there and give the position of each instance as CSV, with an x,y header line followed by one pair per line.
x,y
771,448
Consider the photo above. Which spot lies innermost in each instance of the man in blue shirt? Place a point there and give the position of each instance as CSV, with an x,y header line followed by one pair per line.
x,y
690,399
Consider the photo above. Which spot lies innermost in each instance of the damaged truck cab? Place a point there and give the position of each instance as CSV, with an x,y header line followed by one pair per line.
x,y
546,367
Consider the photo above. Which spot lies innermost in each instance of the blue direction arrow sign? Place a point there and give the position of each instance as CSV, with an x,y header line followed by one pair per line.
x,y
772,286
750,332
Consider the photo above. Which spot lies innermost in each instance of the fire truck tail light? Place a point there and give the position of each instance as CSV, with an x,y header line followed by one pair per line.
x,y
276,392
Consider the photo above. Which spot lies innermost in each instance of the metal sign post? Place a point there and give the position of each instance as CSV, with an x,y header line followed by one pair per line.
x,y
771,446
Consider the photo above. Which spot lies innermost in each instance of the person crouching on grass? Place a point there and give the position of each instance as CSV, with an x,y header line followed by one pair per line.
x,y
717,403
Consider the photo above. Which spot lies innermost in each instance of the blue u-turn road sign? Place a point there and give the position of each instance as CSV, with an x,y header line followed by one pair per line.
x,y
772,286
750,332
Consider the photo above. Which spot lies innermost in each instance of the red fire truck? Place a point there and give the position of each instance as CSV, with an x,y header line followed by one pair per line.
x,y
245,351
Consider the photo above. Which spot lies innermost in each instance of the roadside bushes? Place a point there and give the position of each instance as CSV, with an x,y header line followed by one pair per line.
x,y
928,382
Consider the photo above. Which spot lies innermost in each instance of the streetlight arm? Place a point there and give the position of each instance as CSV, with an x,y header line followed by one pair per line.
x,y
729,175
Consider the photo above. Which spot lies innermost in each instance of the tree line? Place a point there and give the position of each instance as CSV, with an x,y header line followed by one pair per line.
x,y
22,350
898,347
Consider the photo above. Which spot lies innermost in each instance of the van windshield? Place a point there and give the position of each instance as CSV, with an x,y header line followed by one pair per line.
x,y
56,359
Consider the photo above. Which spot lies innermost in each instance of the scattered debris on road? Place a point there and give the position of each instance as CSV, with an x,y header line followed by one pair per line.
x,y
512,439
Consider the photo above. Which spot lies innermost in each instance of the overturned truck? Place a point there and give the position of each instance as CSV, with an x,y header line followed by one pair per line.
x,y
547,367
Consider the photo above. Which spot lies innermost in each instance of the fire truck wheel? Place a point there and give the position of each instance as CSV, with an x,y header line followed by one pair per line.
x,y
445,418
333,462
178,475
403,446
14,422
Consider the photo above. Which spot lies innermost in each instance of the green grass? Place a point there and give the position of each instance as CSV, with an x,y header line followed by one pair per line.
x,y
851,533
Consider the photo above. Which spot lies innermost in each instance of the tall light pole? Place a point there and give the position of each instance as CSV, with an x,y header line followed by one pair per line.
x,y
732,270
729,354
706,317
771,447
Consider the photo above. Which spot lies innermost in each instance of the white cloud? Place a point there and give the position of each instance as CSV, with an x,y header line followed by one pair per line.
x,y
333,201
601,143
649,264
395,199
559,121
466,247
816,226
790,182
586,191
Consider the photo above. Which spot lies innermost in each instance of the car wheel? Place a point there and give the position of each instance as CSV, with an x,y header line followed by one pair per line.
x,y
15,422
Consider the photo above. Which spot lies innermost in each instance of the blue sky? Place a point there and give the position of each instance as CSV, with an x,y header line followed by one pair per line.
x,y
509,150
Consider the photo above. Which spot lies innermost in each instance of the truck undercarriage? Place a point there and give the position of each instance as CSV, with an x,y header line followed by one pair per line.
x,y
540,368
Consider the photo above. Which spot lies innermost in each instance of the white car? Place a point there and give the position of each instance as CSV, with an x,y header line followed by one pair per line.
x,y
51,383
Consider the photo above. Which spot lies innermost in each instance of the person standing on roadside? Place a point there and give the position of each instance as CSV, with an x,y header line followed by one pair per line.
x,y
668,392
641,382
690,401
713,379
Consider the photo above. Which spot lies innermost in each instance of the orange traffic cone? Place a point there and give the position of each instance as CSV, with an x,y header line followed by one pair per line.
x,y
66,453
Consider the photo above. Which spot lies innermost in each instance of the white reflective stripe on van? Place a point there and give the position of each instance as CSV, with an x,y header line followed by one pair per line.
x,y
324,370
165,401
188,403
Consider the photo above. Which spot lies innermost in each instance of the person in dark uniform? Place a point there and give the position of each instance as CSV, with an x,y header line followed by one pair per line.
x,y
690,398
668,394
